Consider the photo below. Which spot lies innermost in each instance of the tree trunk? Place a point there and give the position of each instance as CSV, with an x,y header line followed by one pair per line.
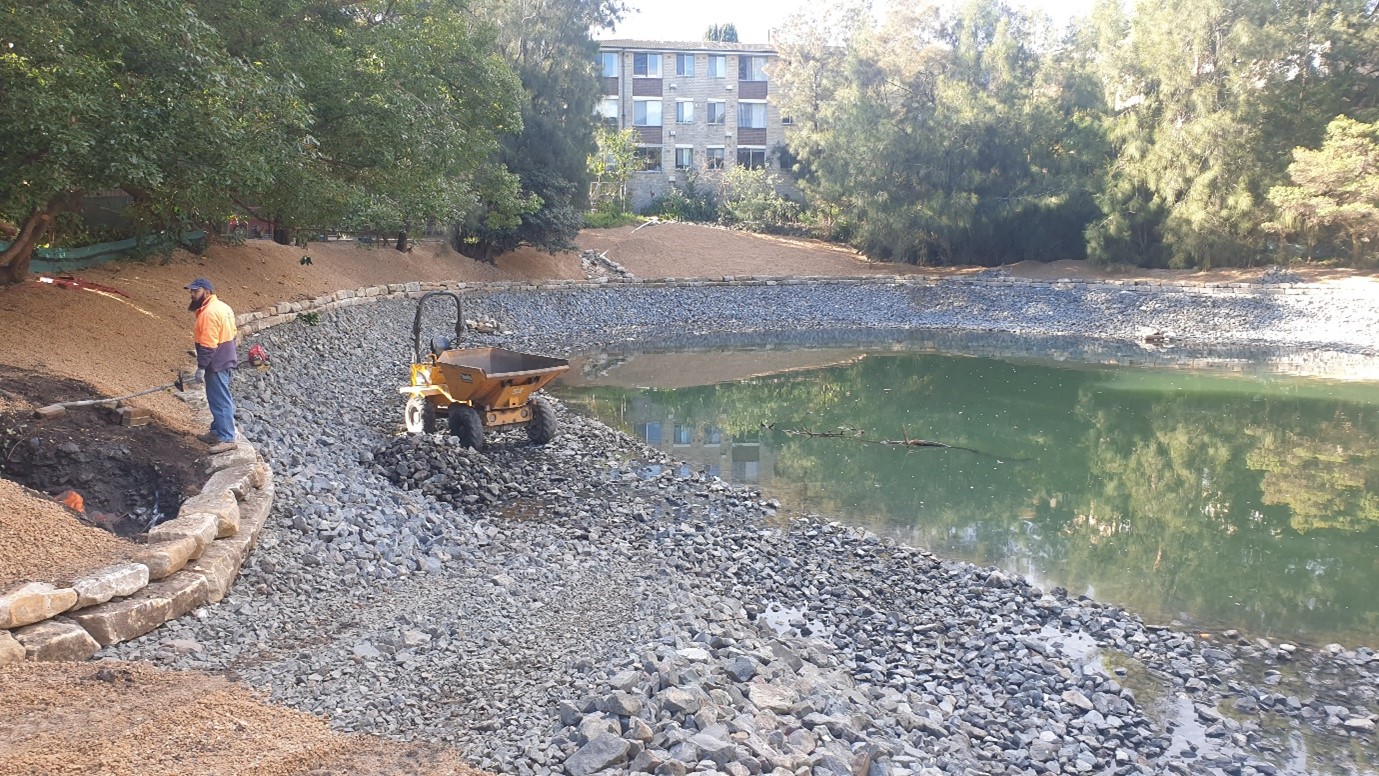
x,y
402,239
282,235
14,260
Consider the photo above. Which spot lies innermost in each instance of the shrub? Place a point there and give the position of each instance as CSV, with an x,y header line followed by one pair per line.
x,y
750,197
608,216
690,201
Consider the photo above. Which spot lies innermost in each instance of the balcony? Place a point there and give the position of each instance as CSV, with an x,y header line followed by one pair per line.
x,y
751,90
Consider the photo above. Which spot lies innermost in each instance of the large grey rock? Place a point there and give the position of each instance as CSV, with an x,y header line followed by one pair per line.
x,y
603,751
681,700
773,697
625,704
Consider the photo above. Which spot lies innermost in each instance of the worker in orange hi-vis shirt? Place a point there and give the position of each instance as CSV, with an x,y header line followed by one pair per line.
x,y
216,359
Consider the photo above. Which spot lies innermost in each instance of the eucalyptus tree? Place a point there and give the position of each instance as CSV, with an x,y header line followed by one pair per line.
x,y
139,95
360,115
548,44
408,100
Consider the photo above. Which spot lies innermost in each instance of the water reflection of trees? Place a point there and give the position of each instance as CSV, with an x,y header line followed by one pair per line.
x,y
1327,476
1254,509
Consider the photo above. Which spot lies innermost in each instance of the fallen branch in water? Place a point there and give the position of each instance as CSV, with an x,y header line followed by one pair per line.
x,y
861,436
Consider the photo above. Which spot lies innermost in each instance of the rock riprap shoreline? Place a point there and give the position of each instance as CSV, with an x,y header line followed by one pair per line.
x,y
584,607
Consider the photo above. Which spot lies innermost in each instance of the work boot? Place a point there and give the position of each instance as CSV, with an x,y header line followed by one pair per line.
x,y
210,438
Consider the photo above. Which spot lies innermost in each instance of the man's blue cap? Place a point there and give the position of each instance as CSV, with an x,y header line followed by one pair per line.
x,y
201,283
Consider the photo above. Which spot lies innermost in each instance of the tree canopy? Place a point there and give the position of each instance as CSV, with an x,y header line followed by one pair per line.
x,y
983,134
549,46
370,115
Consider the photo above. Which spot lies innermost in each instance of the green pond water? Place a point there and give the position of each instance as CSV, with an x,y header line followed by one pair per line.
x,y
1214,500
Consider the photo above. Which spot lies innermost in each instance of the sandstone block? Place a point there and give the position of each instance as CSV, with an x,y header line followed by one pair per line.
x,y
222,504
164,558
115,621
202,527
184,591
262,475
236,479
253,513
33,602
237,457
11,651
119,580
59,639
219,565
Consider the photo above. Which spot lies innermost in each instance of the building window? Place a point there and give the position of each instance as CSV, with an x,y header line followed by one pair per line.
x,y
646,65
649,158
746,471
718,112
684,65
713,158
684,111
684,158
751,68
718,65
713,435
608,62
680,435
751,158
608,109
751,115
646,113
649,432
787,121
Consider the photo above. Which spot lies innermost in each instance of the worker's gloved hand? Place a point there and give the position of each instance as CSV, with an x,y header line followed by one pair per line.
x,y
199,377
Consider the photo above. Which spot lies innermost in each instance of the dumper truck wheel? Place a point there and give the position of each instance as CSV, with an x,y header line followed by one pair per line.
x,y
541,428
419,415
466,426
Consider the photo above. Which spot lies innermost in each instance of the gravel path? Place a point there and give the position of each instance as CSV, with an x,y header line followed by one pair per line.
x,y
577,608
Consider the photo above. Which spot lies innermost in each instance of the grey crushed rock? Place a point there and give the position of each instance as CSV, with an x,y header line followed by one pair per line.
x,y
558,610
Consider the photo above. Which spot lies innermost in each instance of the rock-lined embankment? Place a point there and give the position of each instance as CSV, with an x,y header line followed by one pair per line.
x,y
568,609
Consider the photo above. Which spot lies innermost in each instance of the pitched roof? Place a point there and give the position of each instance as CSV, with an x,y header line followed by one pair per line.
x,y
693,45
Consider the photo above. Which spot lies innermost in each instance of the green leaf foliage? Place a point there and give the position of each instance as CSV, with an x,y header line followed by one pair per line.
x,y
983,134
1335,192
369,115
548,44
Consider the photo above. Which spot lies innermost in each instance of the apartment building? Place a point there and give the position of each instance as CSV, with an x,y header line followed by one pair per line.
x,y
702,105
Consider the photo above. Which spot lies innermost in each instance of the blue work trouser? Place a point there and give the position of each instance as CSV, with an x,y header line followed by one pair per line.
x,y
222,405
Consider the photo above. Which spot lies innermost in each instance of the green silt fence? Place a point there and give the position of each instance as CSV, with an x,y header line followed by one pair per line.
x,y
59,260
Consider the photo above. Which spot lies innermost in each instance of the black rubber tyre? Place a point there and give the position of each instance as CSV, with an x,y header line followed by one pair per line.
x,y
420,416
430,424
466,425
541,427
